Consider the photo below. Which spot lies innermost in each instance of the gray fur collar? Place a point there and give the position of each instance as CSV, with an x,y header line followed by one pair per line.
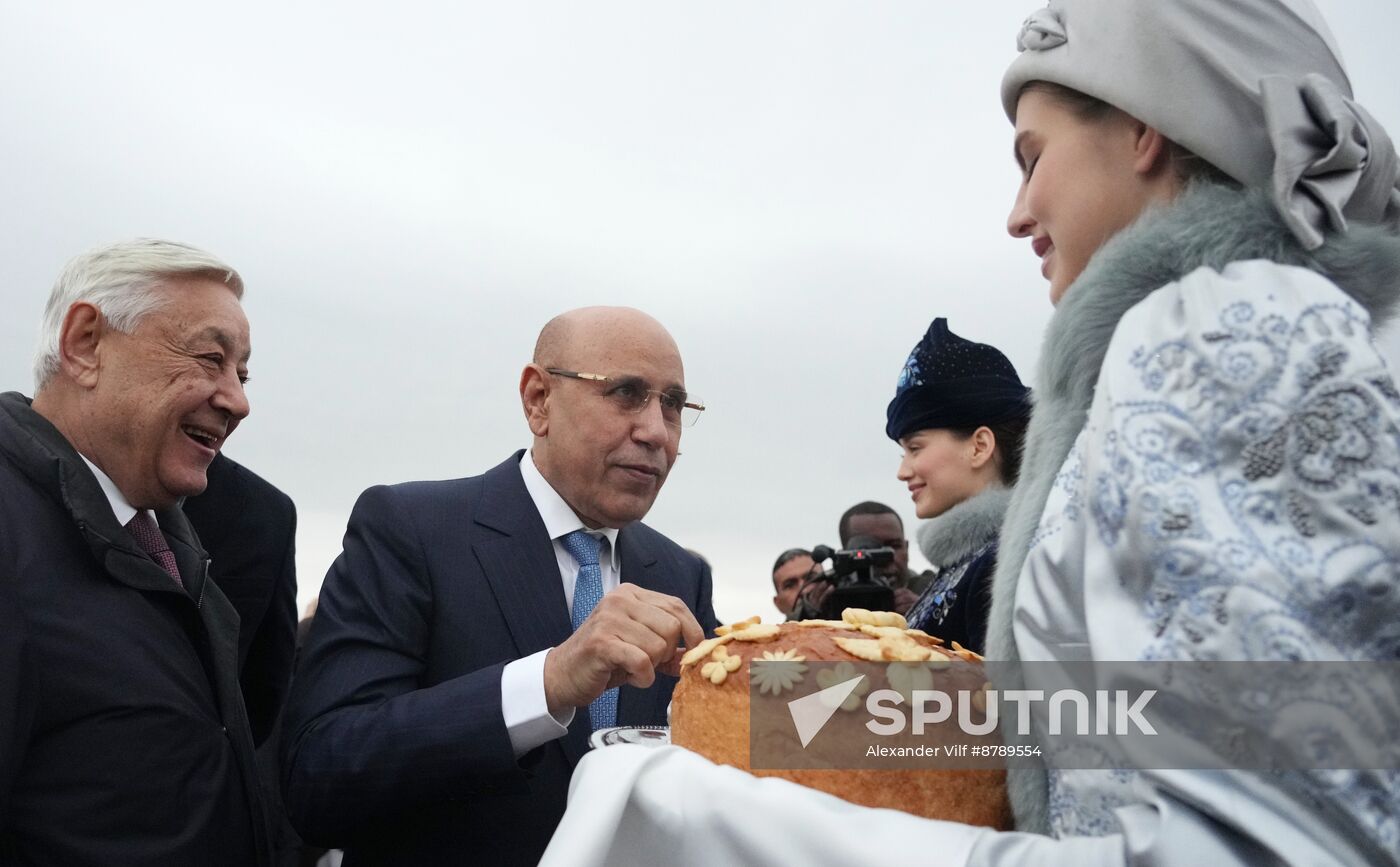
x,y
965,529
1208,225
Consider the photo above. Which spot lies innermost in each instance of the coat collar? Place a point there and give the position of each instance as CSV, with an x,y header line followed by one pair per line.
x,y
43,454
965,529
1208,226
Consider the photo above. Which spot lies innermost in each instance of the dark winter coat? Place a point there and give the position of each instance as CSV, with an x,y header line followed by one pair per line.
x,y
123,736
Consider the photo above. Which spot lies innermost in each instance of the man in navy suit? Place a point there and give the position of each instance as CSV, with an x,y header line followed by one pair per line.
x,y
473,632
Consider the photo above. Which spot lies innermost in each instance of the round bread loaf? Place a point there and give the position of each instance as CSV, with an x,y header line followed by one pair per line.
x,y
710,715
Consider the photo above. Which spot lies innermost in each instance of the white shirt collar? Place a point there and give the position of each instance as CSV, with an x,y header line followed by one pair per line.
x,y
123,510
559,519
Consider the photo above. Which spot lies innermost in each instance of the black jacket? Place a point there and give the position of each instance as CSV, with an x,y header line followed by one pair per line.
x,y
249,529
123,738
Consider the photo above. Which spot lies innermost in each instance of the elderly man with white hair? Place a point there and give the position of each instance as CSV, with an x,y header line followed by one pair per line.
x,y
123,736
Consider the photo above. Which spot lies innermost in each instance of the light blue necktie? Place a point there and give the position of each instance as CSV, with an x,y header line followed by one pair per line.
x,y
588,592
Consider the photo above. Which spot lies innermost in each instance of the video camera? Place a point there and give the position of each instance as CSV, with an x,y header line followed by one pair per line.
x,y
852,577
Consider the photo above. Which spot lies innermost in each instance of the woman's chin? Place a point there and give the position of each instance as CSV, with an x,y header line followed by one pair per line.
x,y
1060,281
924,511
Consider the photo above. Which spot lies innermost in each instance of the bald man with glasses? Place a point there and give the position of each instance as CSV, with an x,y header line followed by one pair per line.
x,y
474,632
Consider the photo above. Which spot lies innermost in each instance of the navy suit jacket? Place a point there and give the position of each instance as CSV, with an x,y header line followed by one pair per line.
x,y
396,749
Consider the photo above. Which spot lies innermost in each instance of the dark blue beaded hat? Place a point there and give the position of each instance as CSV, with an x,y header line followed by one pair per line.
x,y
949,382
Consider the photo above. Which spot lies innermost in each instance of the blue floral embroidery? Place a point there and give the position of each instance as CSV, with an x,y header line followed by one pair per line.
x,y
1252,481
1070,482
909,375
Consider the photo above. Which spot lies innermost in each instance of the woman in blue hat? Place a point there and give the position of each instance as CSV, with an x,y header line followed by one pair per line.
x,y
959,414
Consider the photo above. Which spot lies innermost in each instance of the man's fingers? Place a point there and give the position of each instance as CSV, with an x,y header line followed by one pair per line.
x,y
664,615
634,632
690,632
637,665
573,673
645,638
672,666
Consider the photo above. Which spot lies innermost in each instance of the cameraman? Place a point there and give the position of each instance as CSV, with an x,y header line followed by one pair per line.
x,y
870,518
790,573
861,575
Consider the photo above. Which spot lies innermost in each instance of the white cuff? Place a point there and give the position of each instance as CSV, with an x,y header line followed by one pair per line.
x,y
528,720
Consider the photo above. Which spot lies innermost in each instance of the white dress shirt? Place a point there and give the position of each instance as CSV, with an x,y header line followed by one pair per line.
x,y
123,510
528,720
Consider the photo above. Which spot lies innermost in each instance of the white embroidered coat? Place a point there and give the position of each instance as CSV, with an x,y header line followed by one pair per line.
x,y
1234,495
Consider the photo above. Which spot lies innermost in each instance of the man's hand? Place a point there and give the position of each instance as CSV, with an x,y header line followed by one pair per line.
x,y
815,593
630,634
904,599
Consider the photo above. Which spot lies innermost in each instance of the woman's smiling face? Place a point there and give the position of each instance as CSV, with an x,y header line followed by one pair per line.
x,y
1083,181
941,470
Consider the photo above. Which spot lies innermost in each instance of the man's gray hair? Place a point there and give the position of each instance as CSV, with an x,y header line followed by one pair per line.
x,y
122,281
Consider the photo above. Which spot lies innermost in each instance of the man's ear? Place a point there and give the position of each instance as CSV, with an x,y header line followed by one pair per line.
x,y
534,398
79,338
1151,153
984,445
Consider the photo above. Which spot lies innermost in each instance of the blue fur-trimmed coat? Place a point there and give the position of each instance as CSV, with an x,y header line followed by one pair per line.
x,y
962,543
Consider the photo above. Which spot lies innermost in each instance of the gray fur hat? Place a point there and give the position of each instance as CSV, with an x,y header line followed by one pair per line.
x,y
1254,87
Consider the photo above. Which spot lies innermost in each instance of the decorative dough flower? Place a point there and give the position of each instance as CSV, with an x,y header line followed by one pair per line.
x,y
905,677
841,673
777,672
720,667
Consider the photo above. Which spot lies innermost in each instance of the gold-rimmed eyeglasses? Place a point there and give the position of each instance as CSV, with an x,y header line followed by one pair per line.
x,y
631,394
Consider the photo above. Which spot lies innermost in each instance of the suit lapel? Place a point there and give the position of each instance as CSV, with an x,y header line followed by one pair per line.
x,y
190,557
520,566
639,566
638,562
78,489
519,563
125,561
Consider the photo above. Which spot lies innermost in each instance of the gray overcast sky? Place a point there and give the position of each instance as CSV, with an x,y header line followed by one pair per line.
x,y
410,190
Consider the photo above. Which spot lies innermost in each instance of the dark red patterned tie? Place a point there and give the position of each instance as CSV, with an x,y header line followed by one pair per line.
x,y
144,530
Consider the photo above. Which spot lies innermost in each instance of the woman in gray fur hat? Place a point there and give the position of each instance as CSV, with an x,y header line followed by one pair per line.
x,y
1211,472
1213,468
